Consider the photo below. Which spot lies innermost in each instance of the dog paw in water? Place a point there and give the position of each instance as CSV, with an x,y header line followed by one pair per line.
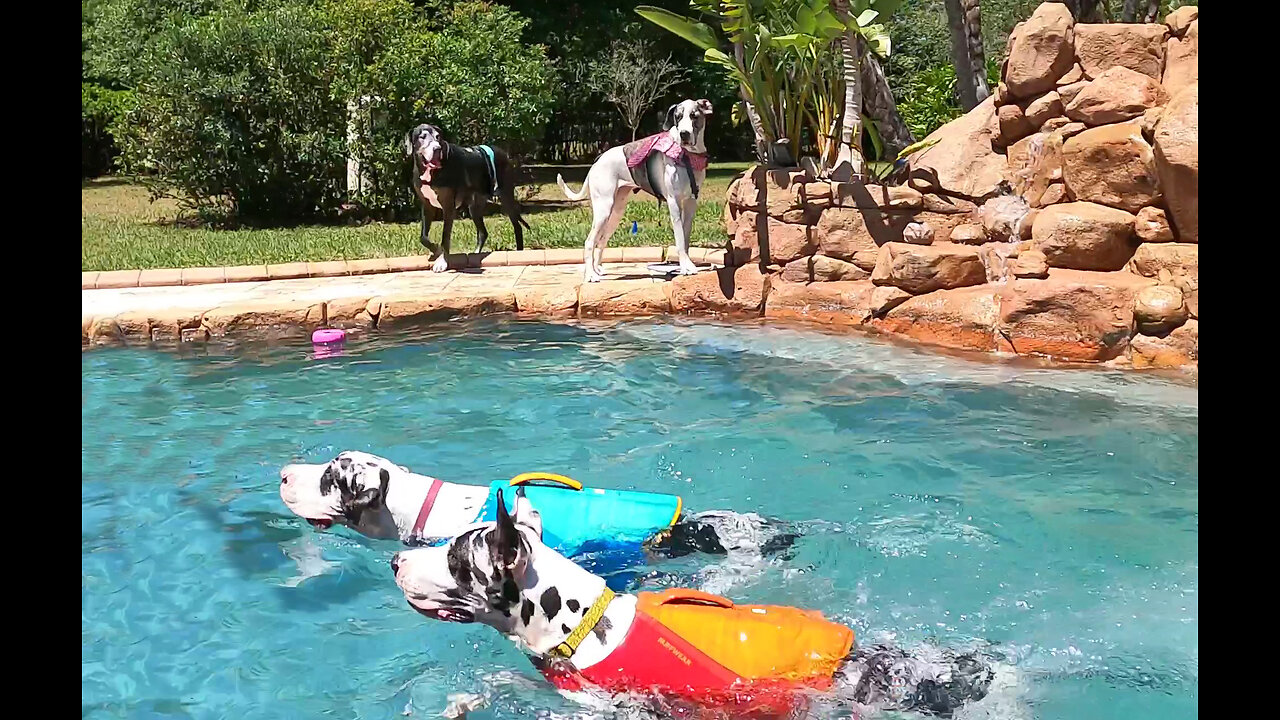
x,y
441,264
462,703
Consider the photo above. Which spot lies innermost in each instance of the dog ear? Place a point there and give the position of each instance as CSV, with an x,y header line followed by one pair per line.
x,y
526,514
366,499
408,142
704,105
671,117
507,547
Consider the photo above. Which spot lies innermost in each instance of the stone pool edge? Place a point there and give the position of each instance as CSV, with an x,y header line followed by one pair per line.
x,y
160,277
989,318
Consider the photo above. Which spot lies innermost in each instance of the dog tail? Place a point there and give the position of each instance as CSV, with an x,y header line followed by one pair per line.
x,y
564,187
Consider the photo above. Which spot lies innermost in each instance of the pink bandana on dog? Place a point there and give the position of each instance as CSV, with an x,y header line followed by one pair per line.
x,y
665,144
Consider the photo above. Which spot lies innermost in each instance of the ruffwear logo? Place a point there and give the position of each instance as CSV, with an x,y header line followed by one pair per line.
x,y
674,651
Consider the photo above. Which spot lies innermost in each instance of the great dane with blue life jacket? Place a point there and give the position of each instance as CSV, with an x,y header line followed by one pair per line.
x,y
448,176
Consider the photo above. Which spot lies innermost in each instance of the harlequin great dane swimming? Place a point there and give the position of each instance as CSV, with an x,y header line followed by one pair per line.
x,y
380,499
671,166
690,650
448,176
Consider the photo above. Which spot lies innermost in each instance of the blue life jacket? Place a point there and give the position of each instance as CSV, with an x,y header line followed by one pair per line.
x,y
604,530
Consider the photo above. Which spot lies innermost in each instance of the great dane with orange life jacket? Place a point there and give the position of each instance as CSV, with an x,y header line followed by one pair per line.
x,y
684,649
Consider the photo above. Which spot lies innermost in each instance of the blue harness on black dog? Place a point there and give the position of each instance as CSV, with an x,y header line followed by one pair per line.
x,y
493,169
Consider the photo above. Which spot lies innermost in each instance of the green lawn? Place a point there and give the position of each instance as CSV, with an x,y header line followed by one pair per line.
x,y
121,230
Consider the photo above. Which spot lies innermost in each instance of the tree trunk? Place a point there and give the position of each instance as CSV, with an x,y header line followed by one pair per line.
x,y
964,19
849,161
1153,11
1129,13
753,117
1084,10
879,105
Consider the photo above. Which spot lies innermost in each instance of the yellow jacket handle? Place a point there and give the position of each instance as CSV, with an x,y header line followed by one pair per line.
x,y
673,596
529,478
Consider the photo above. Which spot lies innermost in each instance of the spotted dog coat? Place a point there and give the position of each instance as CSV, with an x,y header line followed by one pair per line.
x,y
376,497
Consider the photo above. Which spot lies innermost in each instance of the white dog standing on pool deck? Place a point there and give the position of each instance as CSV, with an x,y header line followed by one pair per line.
x,y
610,185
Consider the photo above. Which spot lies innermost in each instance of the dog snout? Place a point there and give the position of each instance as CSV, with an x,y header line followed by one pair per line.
x,y
285,476
685,136
395,564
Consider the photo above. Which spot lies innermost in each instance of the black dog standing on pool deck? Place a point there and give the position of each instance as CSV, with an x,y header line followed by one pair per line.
x,y
447,177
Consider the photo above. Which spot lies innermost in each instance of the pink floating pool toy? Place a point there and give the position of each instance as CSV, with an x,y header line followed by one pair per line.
x,y
327,336
328,342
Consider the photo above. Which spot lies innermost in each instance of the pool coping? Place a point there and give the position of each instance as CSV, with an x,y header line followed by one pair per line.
x,y
963,320
165,277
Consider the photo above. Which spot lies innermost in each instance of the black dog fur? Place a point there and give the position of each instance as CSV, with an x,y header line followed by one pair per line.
x,y
463,181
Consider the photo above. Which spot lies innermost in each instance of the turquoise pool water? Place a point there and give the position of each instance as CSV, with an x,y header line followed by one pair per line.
x,y
1050,513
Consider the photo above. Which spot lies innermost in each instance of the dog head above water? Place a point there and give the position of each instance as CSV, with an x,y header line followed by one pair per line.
x,y
425,144
687,122
501,574
350,490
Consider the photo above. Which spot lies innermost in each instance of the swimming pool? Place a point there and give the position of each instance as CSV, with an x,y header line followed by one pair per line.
x,y
1052,513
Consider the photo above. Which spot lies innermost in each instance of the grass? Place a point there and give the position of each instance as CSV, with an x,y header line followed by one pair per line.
x,y
121,229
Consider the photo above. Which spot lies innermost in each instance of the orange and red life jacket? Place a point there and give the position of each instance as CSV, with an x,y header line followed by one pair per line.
x,y
702,647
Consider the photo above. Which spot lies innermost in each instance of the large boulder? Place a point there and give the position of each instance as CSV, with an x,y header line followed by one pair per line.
x,y
1152,226
1111,165
963,318
1071,315
963,158
1180,20
1158,309
727,290
1138,47
1177,156
1040,51
1043,108
1176,259
1116,95
785,241
1182,61
1179,348
842,302
925,268
829,269
1030,264
1013,124
855,235
624,298
1084,236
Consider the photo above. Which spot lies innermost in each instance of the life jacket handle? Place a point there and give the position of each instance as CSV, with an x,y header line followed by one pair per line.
x,y
676,596
529,478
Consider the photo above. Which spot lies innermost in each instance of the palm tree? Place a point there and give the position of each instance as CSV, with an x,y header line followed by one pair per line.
x,y
848,160
964,18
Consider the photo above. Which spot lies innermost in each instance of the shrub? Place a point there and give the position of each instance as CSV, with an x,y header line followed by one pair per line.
x,y
473,78
100,108
234,115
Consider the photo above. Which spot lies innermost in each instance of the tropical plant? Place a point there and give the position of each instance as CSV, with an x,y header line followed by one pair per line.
x,y
880,170
783,60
